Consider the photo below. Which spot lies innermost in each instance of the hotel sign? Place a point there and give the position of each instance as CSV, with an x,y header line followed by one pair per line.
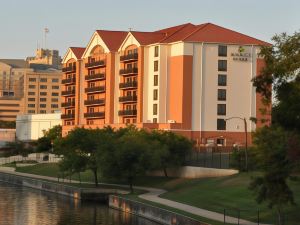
x,y
241,55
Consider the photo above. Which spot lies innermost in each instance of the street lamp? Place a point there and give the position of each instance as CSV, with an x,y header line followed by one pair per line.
x,y
246,138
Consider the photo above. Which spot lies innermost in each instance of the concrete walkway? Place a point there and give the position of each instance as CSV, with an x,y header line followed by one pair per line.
x,y
151,195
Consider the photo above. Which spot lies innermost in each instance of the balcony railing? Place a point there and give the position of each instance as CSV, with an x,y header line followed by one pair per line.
x,y
97,76
95,89
131,112
94,102
130,98
67,116
68,104
68,81
129,71
94,115
99,63
132,84
69,69
70,92
129,57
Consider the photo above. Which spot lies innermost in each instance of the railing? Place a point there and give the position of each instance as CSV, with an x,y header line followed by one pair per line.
x,y
69,69
132,84
68,81
94,102
129,57
71,92
95,89
94,115
130,98
67,116
95,64
68,104
131,112
95,76
129,71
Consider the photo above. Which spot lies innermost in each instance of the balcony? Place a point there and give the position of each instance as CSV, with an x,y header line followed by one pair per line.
x,y
68,81
129,57
67,104
100,115
130,98
67,116
128,71
94,102
69,92
69,69
100,63
130,112
95,89
128,85
98,76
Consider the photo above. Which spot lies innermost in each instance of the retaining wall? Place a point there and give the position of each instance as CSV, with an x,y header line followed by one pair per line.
x,y
156,214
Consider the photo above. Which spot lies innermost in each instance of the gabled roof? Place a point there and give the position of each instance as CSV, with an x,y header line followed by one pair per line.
x,y
78,51
147,38
216,34
112,39
15,63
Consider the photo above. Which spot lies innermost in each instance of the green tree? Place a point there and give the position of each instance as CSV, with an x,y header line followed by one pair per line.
x,y
271,147
45,143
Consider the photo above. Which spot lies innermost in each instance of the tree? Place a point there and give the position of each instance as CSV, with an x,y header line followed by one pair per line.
x,y
271,147
45,143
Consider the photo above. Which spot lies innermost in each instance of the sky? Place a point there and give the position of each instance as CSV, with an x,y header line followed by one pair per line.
x,y
72,22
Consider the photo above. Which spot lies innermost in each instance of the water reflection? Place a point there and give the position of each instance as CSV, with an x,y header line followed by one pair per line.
x,y
23,206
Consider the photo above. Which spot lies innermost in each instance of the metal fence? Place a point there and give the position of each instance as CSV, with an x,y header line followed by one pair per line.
x,y
211,157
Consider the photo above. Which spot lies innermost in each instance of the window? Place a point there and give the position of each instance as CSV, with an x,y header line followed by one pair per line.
x,y
55,94
133,120
154,120
155,80
221,94
55,87
222,65
54,105
31,86
31,105
31,99
222,50
43,86
43,79
54,99
155,94
127,121
222,109
43,93
90,122
221,124
154,109
43,111
32,79
42,105
155,66
156,51
31,93
31,111
43,99
220,141
222,80
55,80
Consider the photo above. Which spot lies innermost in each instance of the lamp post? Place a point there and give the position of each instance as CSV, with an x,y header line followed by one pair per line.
x,y
246,138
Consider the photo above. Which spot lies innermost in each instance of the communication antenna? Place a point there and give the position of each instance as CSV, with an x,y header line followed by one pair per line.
x,y
130,28
46,31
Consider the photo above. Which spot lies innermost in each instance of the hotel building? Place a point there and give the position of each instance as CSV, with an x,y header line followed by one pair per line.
x,y
188,79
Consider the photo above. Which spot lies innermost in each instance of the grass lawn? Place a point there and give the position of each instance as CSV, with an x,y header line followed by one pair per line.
x,y
215,194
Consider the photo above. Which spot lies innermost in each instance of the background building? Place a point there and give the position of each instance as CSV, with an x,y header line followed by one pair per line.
x,y
188,79
32,127
27,87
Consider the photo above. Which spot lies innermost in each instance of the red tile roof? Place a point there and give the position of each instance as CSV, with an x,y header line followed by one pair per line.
x,y
78,52
147,38
112,39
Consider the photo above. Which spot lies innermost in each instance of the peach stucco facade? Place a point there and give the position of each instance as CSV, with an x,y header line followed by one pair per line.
x,y
189,79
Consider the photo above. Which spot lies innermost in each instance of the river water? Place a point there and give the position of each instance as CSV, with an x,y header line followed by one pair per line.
x,y
25,206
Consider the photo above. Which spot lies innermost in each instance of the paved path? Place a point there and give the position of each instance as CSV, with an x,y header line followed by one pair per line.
x,y
153,196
